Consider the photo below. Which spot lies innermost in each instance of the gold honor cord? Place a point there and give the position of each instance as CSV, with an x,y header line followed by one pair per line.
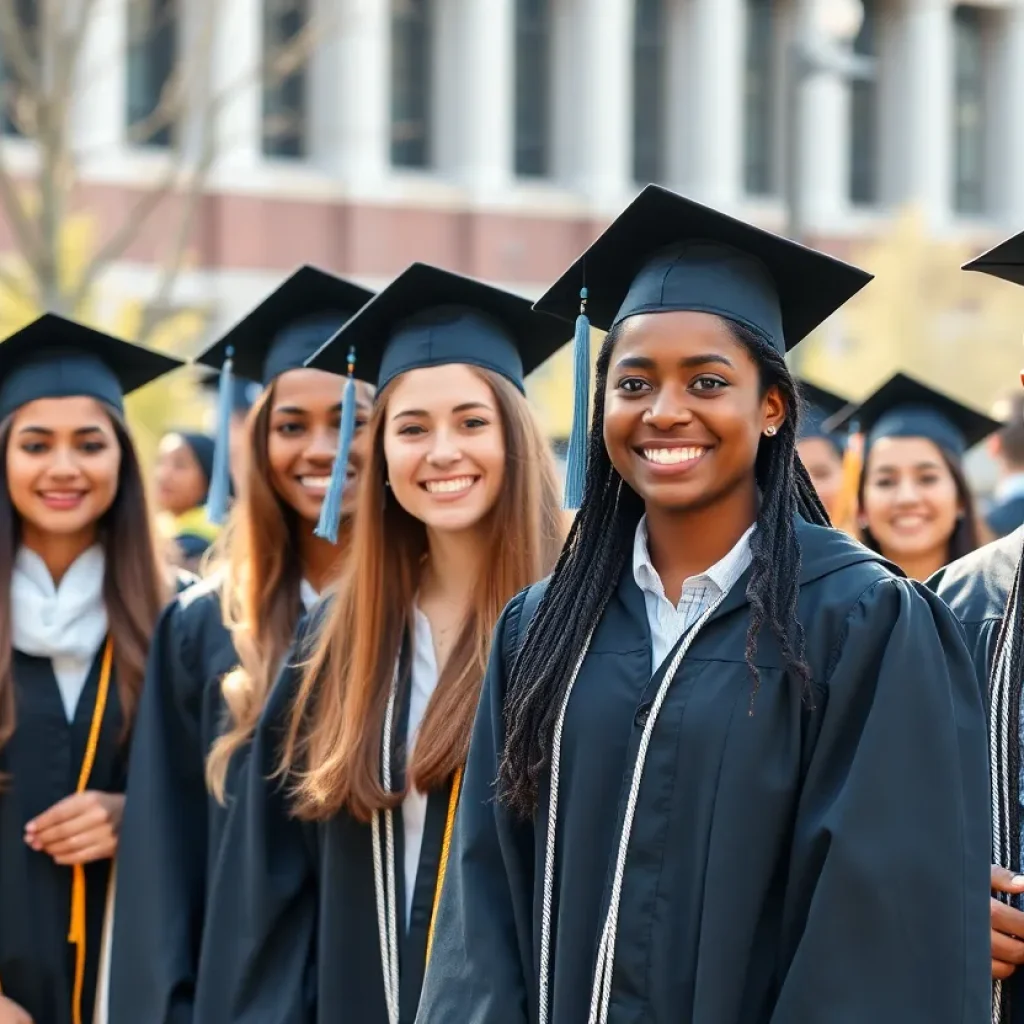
x,y
446,849
76,933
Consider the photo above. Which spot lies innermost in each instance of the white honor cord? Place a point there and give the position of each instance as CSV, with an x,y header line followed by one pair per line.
x,y
602,986
384,870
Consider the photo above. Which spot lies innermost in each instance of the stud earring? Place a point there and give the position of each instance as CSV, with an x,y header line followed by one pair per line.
x,y
770,430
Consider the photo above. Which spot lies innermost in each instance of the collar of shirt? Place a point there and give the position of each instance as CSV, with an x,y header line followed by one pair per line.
x,y
722,575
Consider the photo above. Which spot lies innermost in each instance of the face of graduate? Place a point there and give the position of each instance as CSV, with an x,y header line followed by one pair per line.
x,y
825,467
444,447
683,411
180,482
910,502
63,463
304,421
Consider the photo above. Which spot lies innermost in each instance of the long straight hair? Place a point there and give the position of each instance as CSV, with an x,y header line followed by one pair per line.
x,y
333,742
136,584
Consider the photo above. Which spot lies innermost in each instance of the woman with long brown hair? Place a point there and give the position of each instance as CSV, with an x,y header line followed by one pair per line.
x,y
340,855
915,506
219,646
84,587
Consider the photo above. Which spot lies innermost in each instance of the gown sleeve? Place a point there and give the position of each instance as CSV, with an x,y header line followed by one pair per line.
x,y
161,866
886,912
480,969
258,954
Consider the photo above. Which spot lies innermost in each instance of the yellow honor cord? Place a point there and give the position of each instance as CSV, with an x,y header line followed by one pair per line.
x,y
446,849
76,932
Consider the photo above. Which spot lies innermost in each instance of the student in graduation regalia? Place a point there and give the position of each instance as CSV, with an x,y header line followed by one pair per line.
x,y
820,450
915,506
184,469
731,743
84,587
325,910
984,591
218,646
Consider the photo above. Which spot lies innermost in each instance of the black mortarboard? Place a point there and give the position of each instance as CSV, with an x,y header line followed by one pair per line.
x,y
666,253
431,317
243,392
57,358
288,326
1005,261
818,405
904,407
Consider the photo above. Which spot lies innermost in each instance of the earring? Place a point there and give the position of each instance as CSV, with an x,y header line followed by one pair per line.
x,y
770,430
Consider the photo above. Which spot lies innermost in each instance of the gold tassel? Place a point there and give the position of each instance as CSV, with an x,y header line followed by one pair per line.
x,y
847,503
446,849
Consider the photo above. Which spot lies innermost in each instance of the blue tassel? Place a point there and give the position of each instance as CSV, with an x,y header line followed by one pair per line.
x,y
330,511
576,457
220,482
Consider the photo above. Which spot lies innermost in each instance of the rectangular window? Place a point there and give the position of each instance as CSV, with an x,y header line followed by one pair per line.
x,y
284,95
864,116
152,50
411,82
760,128
533,88
970,129
19,110
649,91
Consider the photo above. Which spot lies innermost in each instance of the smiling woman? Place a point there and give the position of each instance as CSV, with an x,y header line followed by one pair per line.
x,y
457,510
83,589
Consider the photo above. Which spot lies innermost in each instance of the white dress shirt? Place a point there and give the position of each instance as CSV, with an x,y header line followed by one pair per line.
x,y
669,622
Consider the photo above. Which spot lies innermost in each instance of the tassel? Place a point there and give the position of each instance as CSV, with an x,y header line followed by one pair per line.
x,y
853,465
576,456
330,511
220,481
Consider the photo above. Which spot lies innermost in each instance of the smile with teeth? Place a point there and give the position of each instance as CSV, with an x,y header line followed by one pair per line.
x,y
673,456
453,486
315,483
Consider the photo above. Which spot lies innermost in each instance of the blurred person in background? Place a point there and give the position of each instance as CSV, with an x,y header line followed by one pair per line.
x,y
915,506
184,468
83,587
820,451
1007,448
218,647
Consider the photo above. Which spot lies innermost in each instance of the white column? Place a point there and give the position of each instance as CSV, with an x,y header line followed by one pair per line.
x,y
1008,117
363,94
928,107
485,74
99,117
237,56
707,65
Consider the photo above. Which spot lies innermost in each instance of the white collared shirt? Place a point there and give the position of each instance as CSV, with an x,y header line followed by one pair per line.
x,y
669,622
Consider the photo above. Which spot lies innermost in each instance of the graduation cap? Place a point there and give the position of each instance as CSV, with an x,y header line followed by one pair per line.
x,y
818,405
1005,261
667,253
58,358
904,407
243,392
433,317
278,335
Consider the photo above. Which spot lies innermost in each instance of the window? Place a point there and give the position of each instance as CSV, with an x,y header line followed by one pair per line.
x,y
18,114
152,42
533,88
970,133
284,92
760,130
864,116
411,81
649,91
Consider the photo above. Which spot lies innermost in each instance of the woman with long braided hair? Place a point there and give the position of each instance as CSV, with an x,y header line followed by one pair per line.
x,y
728,741
984,590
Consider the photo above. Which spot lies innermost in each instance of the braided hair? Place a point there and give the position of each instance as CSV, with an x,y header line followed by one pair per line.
x,y
595,555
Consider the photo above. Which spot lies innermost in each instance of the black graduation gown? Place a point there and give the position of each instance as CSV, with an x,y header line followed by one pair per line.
x,y
791,867
43,758
976,587
292,933
172,826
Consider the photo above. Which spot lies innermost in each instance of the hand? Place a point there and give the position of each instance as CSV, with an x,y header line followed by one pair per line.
x,y
12,1013
1007,925
79,829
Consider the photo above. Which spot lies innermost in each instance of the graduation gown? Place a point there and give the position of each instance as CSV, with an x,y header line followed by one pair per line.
x,y
793,866
171,831
977,587
292,934
43,759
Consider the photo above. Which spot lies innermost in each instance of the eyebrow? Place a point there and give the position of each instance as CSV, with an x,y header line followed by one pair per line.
x,y
296,410
928,464
464,407
49,433
688,362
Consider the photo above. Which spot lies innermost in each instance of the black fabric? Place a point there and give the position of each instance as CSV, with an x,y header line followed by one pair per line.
x,y
773,854
172,827
292,934
1006,517
432,317
1005,261
665,252
43,759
